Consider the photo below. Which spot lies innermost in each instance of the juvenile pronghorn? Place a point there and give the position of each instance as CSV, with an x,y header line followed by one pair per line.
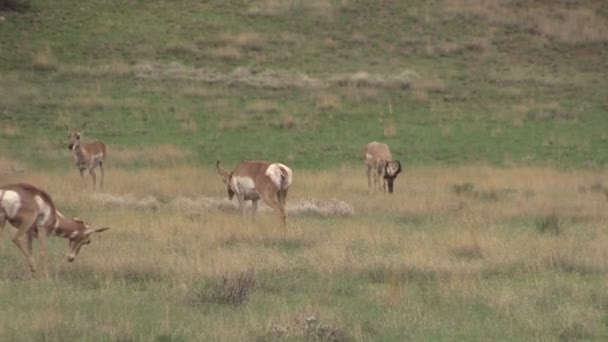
x,y
255,179
378,157
87,156
33,213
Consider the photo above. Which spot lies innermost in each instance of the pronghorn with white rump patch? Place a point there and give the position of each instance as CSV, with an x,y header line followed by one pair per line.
x,y
379,159
33,212
87,156
255,179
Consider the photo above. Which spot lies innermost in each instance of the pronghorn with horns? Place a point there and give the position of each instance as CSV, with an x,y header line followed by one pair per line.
x,y
33,212
87,156
379,159
255,179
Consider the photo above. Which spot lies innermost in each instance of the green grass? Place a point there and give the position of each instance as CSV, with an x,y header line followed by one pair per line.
x,y
451,86
481,89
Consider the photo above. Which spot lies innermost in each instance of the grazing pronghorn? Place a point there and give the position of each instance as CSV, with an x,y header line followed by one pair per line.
x,y
378,157
33,213
87,156
255,179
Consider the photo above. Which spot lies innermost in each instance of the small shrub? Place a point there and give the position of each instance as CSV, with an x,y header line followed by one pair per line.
x,y
317,331
550,224
468,189
309,328
494,194
469,252
463,189
232,289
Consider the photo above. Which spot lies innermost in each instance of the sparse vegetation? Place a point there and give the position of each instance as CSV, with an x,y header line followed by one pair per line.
x,y
551,223
497,110
342,263
231,289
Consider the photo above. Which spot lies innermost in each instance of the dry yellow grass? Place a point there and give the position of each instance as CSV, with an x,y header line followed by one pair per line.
x,y
44,59
425,232
154,155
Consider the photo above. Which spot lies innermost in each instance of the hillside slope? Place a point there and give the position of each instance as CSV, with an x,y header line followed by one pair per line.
x,y
502,82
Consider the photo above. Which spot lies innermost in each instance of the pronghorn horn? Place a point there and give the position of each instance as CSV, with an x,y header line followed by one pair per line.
x,y
84,125
96,230
66,126
219,170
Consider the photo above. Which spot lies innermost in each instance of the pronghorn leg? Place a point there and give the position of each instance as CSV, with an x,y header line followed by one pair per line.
x,y
30,242
254,208
2,224
241,200
272,200
369,178
42,235
23,230
101,170
282,195
94,177
376,184
84,181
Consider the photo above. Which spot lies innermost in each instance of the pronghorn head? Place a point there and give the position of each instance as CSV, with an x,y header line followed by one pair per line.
x,y
73,137
226,177
81,237
390,172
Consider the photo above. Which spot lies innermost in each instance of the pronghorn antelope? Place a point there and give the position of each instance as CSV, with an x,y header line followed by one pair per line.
x,y
33,213
87,156
379,159
254,179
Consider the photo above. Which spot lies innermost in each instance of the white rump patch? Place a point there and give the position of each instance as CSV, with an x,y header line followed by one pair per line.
x,y
276,172
11,202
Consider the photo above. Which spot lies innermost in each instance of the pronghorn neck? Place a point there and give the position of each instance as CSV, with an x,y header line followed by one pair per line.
x,y
67,227
80,155
78,150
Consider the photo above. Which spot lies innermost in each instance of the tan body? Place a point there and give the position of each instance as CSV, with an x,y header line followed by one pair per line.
x,y
32,211
380,166
87,156
255,179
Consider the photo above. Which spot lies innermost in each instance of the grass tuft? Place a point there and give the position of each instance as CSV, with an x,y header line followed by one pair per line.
x,y
232,289
551,224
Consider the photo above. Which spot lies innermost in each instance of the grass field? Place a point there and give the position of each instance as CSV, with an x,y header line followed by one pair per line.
x,y
497,110
457,253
